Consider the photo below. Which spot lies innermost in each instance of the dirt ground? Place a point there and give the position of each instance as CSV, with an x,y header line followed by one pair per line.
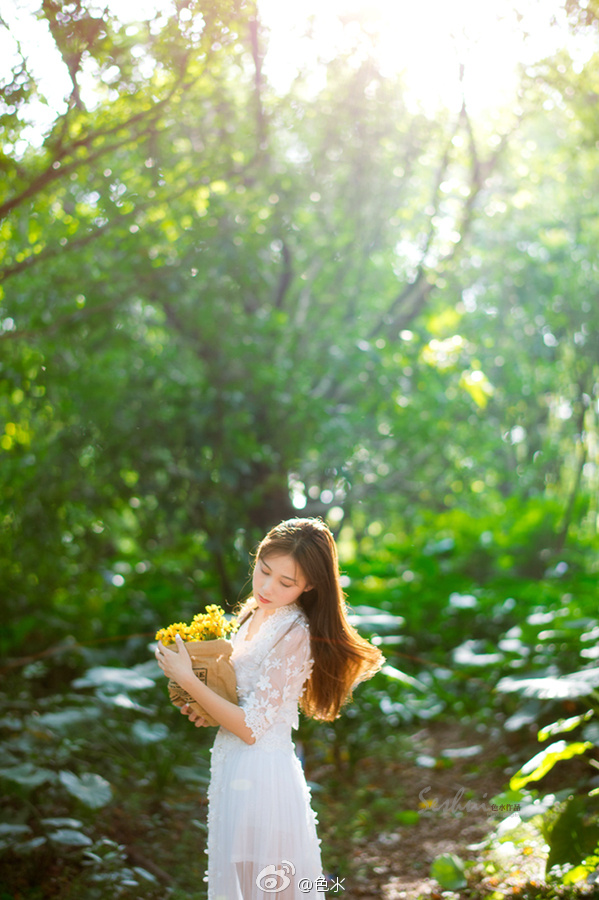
x,y
398,863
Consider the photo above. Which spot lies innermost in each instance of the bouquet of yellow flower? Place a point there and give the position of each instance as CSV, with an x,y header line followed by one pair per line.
x,y
206,626
210,652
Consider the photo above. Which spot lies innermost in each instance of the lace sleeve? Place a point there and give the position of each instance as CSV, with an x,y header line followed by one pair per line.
x,y
281,679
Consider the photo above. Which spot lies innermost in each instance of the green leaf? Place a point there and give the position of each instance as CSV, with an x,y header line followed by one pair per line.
x,y
407,817
70,838
537,807
27,775
123,701
62,822
30,846
147,733
67,717
12,722
397,675
448,870
544,761
10,828
553,687
143,873
91,789
563,725
509,796
113,678
575,833
148,669
577,874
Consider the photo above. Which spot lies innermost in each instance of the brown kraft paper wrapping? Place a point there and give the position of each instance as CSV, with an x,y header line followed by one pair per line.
x,y
211,664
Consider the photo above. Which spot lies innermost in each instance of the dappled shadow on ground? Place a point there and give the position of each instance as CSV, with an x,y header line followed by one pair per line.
x,y
452,794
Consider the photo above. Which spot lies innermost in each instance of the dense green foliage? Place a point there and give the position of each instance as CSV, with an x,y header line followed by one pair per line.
x,y
222,304
96,766
215,297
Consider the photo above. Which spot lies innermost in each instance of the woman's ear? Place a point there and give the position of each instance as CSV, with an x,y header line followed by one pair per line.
x,y
308,587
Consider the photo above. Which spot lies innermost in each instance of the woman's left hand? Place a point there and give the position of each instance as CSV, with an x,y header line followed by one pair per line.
x,y
176,666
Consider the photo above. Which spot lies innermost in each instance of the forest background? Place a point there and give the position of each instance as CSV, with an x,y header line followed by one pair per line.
x,y
223,303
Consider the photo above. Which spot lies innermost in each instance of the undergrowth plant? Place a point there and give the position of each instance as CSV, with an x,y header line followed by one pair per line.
x,y
89,776
567,814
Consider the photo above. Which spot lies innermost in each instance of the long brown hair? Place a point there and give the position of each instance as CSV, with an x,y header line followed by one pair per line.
x,y
341,657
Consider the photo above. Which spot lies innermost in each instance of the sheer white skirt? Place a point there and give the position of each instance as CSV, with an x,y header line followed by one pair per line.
x,y
262,841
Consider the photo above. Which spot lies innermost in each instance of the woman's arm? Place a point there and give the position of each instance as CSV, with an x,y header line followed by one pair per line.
x,y
178,667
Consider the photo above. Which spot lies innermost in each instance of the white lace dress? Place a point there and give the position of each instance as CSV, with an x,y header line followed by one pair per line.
x,y
262,839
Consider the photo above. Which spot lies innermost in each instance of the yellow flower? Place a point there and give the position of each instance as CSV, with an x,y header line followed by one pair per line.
x,y
205,626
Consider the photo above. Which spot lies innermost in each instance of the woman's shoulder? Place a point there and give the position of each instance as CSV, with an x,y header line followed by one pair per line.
x,y
291,620
293,613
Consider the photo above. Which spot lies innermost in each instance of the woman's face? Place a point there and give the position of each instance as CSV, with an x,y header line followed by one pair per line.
x,y
277,581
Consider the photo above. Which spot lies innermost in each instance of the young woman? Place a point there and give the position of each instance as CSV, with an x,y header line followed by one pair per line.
x,y
294,645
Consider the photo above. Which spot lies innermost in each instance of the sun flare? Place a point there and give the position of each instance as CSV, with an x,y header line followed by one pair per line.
x,y
446,52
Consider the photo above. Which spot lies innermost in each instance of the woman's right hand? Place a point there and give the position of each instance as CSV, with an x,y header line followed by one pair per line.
x,y
193,716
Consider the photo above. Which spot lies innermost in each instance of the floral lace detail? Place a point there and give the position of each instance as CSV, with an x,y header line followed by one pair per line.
x,y
246,789
272,668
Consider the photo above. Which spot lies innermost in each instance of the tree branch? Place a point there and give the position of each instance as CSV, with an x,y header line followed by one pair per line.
x,y
285,279
99,230
57,171
408,303
562,535
254,26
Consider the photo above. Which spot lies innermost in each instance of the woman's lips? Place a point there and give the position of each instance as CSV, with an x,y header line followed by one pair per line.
x,y
262,599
